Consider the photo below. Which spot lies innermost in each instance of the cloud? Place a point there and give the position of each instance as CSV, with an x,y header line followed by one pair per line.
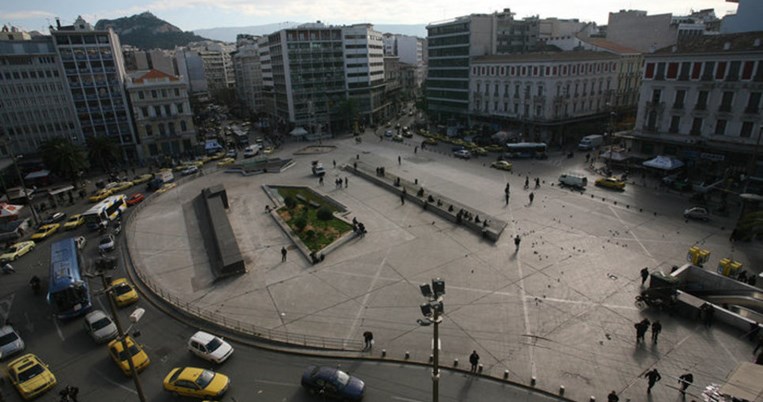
x,y
25,15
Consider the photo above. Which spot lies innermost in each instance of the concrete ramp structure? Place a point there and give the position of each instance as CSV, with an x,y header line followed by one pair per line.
x,y
224,254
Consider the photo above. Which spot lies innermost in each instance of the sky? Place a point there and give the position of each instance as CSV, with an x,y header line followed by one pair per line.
x,y
197,14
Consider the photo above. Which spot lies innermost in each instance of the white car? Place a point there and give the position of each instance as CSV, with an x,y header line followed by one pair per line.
x,y
462,153
10,342
699,213
190,170
210,347
100,326
106,244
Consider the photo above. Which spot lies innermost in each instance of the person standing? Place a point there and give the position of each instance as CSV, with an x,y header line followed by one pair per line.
x,y
685,380
283,254
517,240
402,196
532,197
399,161
368,338
644,275
641,328
612,397
537,182
656,329
653,376
474,360
527,182
320,181
507,198
346,182
334,161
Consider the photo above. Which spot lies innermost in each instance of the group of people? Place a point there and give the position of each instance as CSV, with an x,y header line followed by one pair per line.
x,y
358,227
338,182
643,326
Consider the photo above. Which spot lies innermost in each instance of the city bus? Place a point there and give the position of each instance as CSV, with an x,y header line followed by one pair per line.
x,y
535,150
68,292
107,210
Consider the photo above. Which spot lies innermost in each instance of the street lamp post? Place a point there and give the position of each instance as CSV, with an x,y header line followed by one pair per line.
x,y
433,310
135,316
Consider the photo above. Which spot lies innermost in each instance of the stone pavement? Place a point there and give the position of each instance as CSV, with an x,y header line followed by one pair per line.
x,y
560,310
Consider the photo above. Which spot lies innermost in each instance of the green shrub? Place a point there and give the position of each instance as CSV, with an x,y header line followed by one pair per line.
x,y
310,234
300,223
290,202
325,214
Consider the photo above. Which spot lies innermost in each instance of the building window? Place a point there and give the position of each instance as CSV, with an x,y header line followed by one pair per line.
x,y
753,102
696,126
141,95
675,123
179,107
720,127
144,111
701,101
149,130
172,127
726,101
746,131
153,94
679,102
656,95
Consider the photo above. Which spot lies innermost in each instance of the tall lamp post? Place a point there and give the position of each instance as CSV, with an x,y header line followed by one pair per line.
x,y
432,311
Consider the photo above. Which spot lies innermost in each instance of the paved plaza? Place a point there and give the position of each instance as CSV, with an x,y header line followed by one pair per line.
x,y
560,309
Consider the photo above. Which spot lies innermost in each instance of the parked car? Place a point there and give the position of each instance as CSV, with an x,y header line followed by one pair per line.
x,y
74,222
333,383
54,218
501,165
142,179
100,326
190,170
210,347
611,182
124,294
121,186
397,138
30,376
699,213
196,383
135,199
15,251
10,342
135,353
45,231
100,195
106,244
462,154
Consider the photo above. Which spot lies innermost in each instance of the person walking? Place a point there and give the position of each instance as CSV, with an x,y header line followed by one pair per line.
x,y
612,397
517,240
641,328
399,161
334,162
283,254
537,182
656,329
416,149
685,380
653,376
527,182
346,182
320,181
507,198
532,197
368,338
644,275
402,197
474,359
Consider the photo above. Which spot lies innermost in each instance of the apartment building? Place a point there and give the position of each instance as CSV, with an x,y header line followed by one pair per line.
x,y
540,95
162,113
35,102
248,71
701,102
410,51
95,74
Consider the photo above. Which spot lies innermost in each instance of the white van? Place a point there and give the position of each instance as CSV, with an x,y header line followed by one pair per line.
x,y
590,142
251,150
573,180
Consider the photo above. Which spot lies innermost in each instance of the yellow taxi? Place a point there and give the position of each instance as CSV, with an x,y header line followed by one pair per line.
x,y
501,165
479,151
121,186
30,376
142,178
611,182
268,150
196,382
430,141
74,222
217,156
166,187
16,250
136,353
226,162
100,195
124,294
45,231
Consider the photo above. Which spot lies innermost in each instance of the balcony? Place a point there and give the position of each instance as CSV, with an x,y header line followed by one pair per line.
x,y
678,106
726,108
700,106
751,110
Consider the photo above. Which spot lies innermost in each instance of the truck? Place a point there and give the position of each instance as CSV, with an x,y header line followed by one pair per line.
x,y
590,142
318,169
573,180
161,177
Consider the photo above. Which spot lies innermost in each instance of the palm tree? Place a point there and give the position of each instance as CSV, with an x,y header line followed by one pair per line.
x,y
102,151
64,158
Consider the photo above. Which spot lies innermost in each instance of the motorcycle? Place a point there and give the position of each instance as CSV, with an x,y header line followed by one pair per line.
x,y
117,229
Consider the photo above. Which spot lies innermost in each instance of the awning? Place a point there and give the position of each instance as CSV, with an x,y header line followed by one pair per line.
x,y
664,163
37,175
9,209
59,190
613,156
298,132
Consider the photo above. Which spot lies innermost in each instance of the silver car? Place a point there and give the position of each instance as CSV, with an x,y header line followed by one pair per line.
x,y
100,326
10,342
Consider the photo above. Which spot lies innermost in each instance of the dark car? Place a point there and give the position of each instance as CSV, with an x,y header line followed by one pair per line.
x,y
332,383
54,218
699,213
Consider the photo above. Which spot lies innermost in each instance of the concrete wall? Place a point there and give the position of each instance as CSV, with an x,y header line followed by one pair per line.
x,y
748,18
642,32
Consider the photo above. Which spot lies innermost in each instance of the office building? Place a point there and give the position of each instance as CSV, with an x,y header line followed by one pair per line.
x,y
248,72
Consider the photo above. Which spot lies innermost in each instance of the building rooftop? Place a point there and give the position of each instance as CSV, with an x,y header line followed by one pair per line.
x,y
737,42
608,45
581,55
141,76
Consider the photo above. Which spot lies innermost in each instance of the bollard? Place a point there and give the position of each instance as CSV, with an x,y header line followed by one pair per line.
x,y
384,352
407,355
455,362
615,202
532,381
561,390
505,374
431,358
479,368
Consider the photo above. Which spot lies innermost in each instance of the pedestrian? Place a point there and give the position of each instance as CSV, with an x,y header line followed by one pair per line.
x,y
537,182
34,283
399,161
508,188
355,166
283,254
685,380
64,394
402,197
612,397
527,182
73,392
653,375
320,181
346,182
644,275
532,197
474,359
334,162
267,208
656,329
507,198
368,339
517,240
416,149
709,314
641,328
